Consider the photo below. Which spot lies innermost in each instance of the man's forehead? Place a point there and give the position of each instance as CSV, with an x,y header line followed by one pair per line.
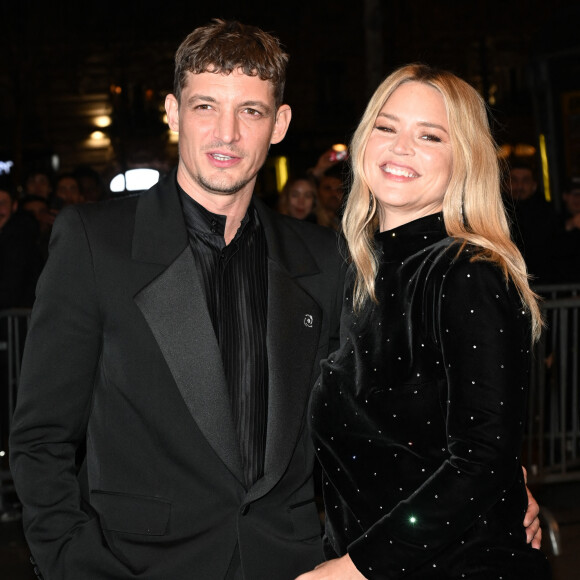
x,y
235,78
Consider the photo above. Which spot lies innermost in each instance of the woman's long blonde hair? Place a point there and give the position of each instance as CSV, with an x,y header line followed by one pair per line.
x,y
473,210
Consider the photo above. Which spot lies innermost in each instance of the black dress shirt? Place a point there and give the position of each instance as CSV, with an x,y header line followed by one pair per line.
x,y
235,281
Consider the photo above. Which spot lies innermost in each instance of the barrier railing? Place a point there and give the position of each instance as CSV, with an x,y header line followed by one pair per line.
x,y
552,443
552,438
13,329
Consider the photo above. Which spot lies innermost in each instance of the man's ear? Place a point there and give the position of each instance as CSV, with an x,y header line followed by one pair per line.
x,y
283,116
172,110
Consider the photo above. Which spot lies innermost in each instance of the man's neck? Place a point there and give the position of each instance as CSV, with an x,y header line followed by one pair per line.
x,y
234,206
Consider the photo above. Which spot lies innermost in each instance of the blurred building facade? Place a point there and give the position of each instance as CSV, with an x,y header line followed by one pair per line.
x,y
86,84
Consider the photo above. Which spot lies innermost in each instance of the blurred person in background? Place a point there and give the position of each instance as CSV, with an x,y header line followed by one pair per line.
x,y
92,187
298,197
20,258
330,196
566,254
329,173
67,191
38,207
532,221
38,182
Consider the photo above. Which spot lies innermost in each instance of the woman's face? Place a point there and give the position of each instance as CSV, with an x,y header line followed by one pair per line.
x,y
408,160
301,196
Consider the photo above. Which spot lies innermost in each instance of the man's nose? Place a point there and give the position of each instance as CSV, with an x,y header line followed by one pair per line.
x,y
227,128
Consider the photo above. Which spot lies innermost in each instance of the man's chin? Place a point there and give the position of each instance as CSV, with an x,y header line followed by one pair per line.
x,y
221,187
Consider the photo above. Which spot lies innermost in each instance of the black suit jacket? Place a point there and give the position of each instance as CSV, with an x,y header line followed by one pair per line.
x,y
121,357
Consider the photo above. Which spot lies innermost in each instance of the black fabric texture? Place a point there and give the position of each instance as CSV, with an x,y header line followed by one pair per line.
x,y
418,418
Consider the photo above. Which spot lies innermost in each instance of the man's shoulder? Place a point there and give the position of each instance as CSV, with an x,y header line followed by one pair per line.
x,y
323,243
292,227
97,210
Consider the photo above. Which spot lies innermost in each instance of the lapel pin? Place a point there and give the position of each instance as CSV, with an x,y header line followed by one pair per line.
x,y
308,320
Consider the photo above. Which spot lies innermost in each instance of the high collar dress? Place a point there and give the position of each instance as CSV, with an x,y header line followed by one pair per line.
x,y
418,418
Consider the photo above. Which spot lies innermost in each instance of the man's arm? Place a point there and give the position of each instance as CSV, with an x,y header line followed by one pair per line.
x,y
54,402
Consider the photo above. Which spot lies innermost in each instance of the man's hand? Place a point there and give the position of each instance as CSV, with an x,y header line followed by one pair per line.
x,y
337,569
531,520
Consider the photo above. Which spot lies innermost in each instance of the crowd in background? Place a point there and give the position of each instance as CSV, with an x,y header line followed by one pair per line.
x,y
549,240
27,213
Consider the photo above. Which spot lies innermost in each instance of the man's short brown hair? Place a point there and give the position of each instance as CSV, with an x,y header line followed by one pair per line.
x,y
224,46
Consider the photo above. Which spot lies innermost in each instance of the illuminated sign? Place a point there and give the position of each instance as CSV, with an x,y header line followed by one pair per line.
x,y
5,167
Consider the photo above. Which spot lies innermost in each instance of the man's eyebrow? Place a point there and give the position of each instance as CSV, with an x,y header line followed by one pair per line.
x,y
421,123
267,109
199,97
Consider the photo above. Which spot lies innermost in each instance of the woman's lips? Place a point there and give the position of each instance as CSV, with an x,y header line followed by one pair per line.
x,y
399,171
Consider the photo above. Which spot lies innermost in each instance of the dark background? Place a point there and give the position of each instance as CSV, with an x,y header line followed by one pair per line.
x,y
61,61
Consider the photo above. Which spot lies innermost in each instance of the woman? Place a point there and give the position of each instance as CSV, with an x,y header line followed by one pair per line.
x,y
417,419
298,198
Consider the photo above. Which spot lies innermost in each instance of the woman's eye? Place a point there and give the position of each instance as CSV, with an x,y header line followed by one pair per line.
x,y
384,128
433,138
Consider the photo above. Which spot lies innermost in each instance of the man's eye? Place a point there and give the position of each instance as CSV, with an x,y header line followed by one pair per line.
x,y
204,107
252,112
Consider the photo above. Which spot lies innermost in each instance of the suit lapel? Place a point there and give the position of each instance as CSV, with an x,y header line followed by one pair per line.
x,y
294,324
174,306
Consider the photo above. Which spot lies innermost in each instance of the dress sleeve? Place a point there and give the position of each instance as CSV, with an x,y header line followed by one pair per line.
x,y
484,336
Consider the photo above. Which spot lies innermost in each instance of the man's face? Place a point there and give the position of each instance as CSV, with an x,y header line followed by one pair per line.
x,y
38,184
68,190
330,192
522,183
226,124
40,211
572,201
7,207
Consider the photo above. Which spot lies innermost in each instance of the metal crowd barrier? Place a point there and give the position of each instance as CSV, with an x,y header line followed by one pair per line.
x,y
14,325
552,442
552,437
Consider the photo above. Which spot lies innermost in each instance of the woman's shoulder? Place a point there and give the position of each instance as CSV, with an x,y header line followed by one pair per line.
x,y
460,263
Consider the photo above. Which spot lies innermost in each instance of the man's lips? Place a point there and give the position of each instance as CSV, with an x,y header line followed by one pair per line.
x,y
221,156
399,171
222,159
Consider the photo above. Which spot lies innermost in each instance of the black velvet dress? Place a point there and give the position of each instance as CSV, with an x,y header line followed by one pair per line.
x,y
417,419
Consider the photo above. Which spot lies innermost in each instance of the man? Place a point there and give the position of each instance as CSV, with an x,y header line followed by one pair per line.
x,y
566,258
330,194
177,334
149,342
8,204
20,258
38,209
533,222
329,173
38,182
67,190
